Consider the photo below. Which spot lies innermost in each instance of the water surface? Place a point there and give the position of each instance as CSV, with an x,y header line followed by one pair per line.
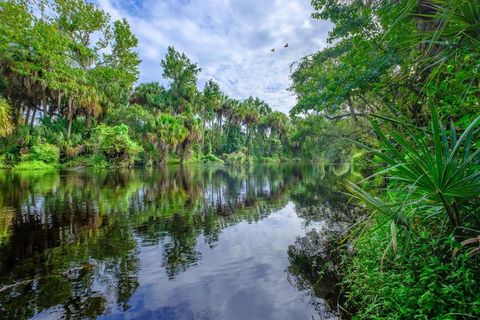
x,y
192,242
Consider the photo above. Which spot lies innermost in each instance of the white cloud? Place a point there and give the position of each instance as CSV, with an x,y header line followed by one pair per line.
x,y
229,39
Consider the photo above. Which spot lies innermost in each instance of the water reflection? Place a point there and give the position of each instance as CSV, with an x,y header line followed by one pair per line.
x,y
315,257
182,243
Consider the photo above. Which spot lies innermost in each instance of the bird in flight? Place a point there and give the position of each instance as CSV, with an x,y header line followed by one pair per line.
x,y
285,46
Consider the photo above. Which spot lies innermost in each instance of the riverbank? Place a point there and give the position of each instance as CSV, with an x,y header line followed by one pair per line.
x,y
48,158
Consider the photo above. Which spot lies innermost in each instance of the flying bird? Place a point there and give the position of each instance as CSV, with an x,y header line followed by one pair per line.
x,y
273,50
286,45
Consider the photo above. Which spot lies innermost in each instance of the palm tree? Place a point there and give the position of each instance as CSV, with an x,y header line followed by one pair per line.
x,y
211,103
444,28
249,116
150,95
194,134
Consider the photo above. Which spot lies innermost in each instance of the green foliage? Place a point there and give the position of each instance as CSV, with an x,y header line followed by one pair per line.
x,y
93,161
238,157
151,96
115,144
211,158
425,283
388,62
68,68
3,162
406,250
456,32
182,74
319,140
44,152
53,60
6,125
436,171
34,165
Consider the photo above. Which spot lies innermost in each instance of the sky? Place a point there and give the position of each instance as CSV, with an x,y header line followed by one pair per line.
x,y
231,40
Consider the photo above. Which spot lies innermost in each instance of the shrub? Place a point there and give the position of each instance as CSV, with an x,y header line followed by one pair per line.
x,y
34,165
211,158
95,161
72,152
3,164
423,284
417,254
115,144
44,152
238,157
268,159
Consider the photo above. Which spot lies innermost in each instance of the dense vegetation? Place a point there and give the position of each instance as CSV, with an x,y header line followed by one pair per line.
x,y
67,73
405,74
399,79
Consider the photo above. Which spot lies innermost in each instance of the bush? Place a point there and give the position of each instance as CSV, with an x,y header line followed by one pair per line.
x,y
417,254
34,165
268,159
3,164
238,157
211,158
115,144
423,284
173,160
94,161
45,152
72,152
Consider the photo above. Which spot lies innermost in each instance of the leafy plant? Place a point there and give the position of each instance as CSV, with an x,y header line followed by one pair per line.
x,y
44,152
453,25
435,169
6,125
34,165
115,143
211,158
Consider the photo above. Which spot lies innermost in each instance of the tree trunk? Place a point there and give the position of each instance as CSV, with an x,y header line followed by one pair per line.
x,y
88,120
352,110
70,117
27,115
220,130
203,131
33,117
423,23
44,101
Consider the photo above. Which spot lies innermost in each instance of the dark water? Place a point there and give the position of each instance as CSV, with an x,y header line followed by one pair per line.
x,y
182,243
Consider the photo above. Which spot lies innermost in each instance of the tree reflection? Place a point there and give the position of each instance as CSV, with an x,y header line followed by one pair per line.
x,y
69,241
314,258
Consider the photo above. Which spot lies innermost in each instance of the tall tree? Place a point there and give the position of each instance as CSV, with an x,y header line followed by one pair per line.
x,y
182,74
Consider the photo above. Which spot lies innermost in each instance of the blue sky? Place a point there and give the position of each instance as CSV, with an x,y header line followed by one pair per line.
x,y
231,40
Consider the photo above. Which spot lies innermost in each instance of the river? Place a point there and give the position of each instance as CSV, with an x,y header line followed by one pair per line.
x,y
190,242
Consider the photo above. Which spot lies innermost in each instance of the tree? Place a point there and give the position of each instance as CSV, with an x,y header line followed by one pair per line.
x,y
150,95
182,74
212,100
